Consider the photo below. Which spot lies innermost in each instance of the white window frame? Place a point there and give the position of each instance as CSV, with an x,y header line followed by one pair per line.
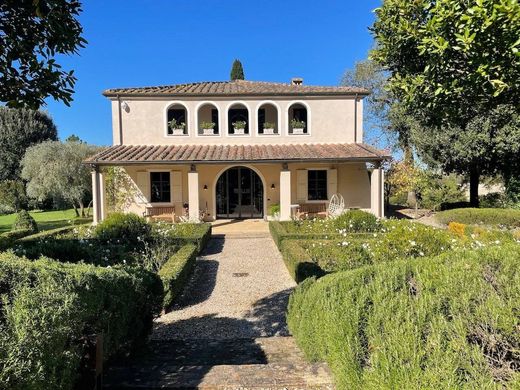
x,y
188,127
278,116
215,105
288,120
249,118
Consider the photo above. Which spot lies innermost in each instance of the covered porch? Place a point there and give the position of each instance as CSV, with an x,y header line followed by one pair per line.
x,y
210,182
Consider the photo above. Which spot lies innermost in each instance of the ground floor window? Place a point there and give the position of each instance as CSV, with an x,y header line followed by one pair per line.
x,y
160,187
317,184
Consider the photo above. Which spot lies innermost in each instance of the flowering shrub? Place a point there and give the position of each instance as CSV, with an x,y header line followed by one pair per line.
x,y
457,228
356,221
120,226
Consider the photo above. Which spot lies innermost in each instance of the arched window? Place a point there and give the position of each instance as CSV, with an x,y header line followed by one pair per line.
x,y
268,123
298,119
238,119
208,119
177,120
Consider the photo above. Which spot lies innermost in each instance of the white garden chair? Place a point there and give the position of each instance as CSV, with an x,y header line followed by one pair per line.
x,y
336,205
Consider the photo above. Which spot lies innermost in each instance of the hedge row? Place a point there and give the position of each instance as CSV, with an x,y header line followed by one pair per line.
x,y
298,261
490,217
8,239
190,233
280,233
176,272
444,322
51,308
400,239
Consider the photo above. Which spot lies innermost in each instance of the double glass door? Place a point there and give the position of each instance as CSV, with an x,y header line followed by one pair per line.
x,y
240,194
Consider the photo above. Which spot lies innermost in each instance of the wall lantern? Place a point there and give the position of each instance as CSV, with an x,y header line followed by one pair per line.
x,y
205,186
273,186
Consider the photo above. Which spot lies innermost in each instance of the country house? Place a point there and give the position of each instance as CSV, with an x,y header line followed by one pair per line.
x,y
233,149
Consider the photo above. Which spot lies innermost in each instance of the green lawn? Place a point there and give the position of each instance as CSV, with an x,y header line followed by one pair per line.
x,y
46,219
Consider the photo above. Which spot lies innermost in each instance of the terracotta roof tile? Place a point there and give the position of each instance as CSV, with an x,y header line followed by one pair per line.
x,y
234,88
131,154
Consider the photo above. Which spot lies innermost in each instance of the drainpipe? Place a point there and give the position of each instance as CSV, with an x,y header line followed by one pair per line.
x,y
355,118
120,120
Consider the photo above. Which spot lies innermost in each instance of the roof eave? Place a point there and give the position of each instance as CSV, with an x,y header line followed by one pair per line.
x,y
213,95
267,161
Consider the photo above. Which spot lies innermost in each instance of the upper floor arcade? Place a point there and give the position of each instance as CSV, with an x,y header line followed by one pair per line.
x,y
236,112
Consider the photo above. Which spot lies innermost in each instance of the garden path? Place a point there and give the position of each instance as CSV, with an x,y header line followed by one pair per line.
x,y
228,329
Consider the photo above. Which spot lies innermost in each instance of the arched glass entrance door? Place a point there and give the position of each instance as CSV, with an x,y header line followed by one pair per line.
x,y
240,194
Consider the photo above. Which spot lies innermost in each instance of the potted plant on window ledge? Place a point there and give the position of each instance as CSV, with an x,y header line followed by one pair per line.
x,y
239,127
298,127
269,128
177,127
208,128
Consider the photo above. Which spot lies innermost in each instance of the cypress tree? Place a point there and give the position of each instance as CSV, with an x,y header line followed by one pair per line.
x,y
237,71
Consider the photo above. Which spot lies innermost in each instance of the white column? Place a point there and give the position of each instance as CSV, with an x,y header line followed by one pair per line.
x,y
95,195
376,192
285,195
102,197
193,195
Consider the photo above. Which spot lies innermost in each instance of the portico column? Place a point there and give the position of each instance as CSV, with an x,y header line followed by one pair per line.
x,y
193,194
96,201
102,197
285,194
376,191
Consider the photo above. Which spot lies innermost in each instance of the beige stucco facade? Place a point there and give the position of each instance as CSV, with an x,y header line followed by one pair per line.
x,y
330,119
199,186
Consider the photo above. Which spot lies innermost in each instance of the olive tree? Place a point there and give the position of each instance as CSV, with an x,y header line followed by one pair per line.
x,y
55,170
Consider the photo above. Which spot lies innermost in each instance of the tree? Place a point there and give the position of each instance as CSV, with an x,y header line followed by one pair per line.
x,y
383,112
12,195
19,129
55,170
32,34
237,71
451,62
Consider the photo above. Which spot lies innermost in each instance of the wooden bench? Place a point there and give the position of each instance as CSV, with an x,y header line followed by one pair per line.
x,y
156,213
306,210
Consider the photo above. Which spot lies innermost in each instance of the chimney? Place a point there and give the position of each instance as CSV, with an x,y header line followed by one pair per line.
x,y
296,81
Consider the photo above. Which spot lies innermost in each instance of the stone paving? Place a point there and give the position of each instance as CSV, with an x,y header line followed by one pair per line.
x,y
228,329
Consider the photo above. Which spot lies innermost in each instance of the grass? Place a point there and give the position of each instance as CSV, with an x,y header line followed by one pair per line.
x,y
46,220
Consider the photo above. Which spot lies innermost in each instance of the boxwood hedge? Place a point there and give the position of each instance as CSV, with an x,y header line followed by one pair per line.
x,y
50,308
176,272
449,321
490,217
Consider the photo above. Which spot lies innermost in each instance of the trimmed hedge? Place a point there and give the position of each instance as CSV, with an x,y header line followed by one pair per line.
x,y
50,308
298,261
176,272
280,233
123,226
471,216
400,239
51,233
186,233
445,322
8,239
24,221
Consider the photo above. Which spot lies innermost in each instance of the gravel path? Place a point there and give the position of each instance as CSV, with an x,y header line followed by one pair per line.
x,y
239,289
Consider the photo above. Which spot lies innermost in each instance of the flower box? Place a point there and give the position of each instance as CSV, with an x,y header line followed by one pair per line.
x,y
178,131
239,132
208,131
269,131
298,130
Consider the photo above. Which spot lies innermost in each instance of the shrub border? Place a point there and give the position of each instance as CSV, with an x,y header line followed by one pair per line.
x,y
176,272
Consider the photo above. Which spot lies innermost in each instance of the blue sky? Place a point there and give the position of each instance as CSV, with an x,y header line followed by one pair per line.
x,y
140,43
